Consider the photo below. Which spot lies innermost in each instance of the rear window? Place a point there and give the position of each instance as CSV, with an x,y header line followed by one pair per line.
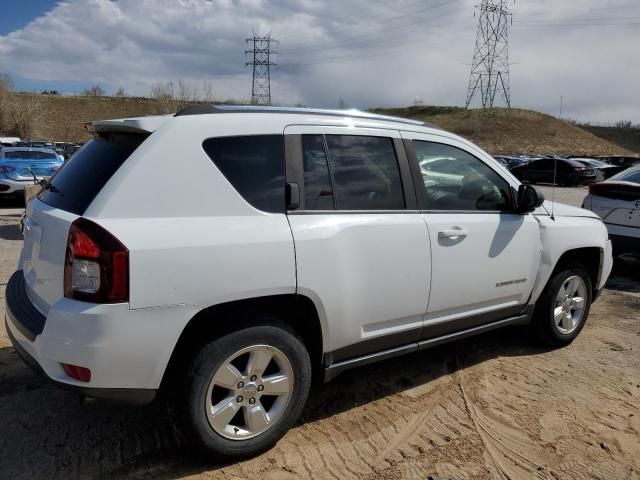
x,y
254,165
80,179
29,155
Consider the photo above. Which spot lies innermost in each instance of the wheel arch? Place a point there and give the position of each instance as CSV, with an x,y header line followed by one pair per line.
x,y
592,258
298,312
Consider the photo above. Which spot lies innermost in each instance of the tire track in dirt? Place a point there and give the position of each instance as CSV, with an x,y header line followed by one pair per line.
x,y
529,413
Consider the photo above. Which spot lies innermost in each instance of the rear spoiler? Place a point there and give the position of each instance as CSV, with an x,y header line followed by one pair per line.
x,y
131,125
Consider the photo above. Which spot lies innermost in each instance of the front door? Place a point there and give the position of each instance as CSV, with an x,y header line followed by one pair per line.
x,y
484,256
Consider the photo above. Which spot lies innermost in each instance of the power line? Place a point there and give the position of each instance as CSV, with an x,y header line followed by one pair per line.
x,y
261,63
410,42
490,66
576,24
378,38
314,45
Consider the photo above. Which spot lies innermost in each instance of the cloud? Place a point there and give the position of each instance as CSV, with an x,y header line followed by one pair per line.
x,y
366,52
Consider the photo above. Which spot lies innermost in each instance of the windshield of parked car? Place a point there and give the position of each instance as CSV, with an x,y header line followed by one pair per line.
x,y
29,155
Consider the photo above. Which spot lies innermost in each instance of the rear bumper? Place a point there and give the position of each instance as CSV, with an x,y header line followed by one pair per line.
x,y
126,350
131,396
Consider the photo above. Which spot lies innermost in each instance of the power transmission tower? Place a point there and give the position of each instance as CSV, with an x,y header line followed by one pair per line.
x,y
490,66
261,88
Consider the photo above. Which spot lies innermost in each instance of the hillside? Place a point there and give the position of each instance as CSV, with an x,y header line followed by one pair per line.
x,y
497,130
57,117
628,138
504,131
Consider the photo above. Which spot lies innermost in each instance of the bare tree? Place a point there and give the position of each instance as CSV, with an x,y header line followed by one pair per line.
x,y
164,94
24,111
187,93
94,91
207,91
624,124
121,92
6,83
163,91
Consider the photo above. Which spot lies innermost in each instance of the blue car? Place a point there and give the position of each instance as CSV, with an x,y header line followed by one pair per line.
x,y
22,166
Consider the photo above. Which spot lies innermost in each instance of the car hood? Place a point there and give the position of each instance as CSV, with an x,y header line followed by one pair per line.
x,y
563,210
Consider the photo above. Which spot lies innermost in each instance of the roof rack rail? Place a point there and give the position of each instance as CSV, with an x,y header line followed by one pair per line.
x,y
209,109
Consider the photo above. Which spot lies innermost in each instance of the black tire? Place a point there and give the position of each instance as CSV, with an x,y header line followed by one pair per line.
x,y
213,355
543,326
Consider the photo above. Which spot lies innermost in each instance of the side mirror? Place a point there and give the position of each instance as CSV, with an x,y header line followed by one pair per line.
x,y
529,198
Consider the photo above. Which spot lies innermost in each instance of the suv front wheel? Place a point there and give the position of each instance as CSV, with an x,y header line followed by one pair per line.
x,y
245,389
563,307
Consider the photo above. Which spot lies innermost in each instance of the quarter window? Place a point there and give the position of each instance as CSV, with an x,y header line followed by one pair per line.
x,y
254,165
456,180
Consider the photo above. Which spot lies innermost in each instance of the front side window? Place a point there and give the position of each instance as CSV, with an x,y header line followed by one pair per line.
x,y
254,165
456,180
365,173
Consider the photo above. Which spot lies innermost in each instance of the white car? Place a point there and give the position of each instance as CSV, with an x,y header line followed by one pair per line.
x,y
617,201
227,255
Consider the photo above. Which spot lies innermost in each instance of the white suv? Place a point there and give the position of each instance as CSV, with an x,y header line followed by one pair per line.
x,y
226,254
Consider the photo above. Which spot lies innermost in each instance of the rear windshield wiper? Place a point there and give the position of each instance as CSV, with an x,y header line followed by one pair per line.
x,y
46,185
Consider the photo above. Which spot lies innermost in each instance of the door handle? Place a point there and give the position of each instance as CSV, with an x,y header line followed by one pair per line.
x,y
453,233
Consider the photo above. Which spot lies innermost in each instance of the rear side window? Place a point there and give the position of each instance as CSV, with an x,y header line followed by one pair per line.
x,y
78,182
254,165
365,173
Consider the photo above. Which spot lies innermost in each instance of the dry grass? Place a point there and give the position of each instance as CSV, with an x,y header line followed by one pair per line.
x,y
496,130
501,130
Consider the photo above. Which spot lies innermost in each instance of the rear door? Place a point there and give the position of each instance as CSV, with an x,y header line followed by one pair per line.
x,y
484,256
362,249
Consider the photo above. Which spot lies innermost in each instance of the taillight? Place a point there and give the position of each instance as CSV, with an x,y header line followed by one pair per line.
x,y
96,267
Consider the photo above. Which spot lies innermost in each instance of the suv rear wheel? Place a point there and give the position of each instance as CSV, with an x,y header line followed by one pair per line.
x,y
563,307
246,389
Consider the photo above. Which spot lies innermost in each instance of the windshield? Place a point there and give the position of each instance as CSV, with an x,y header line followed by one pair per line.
x,y
29,155
81,178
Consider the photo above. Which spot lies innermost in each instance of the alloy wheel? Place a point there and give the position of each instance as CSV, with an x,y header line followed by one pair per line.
x,y
249,392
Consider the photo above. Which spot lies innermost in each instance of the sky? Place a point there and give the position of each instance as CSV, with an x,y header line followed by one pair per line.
x,y
357,53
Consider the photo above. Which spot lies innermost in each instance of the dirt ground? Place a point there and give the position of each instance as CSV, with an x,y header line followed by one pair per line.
x,y
489,407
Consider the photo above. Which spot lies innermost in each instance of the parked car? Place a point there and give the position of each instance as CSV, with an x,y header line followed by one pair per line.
x,y
70,149
21,166
511,161
9,141
621,160
41,144
617,201
295,243
603,170
564,171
